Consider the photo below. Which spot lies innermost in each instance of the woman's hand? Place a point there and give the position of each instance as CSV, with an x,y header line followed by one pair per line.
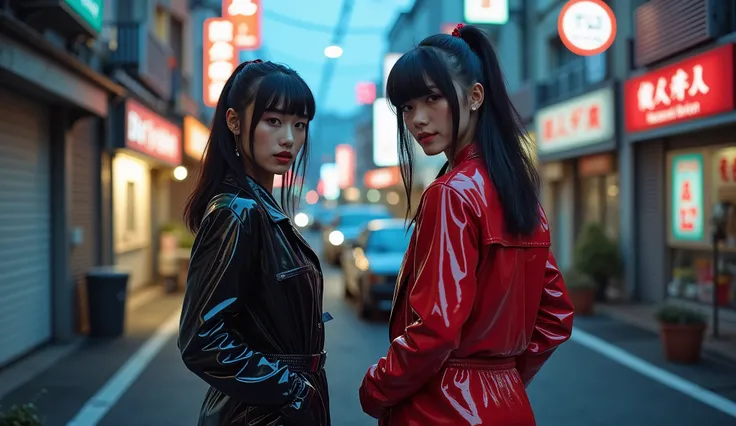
x,y
301,410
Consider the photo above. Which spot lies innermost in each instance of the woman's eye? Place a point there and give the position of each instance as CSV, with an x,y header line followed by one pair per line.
x,y
274,121
433,98
301,125
405,108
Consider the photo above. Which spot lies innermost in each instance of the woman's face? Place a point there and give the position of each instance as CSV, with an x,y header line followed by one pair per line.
x,y
429,119
277,140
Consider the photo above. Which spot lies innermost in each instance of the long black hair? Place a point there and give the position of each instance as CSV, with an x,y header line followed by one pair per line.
x,y
269,87
500,134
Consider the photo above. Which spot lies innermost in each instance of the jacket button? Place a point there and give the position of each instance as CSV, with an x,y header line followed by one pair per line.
x,y
319,325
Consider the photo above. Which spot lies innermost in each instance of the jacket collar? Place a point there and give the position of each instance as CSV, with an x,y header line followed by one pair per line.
x,y
265,198
468,153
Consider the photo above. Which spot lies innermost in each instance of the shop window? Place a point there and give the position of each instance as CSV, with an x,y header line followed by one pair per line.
x,y
612,211
591,199
130,211
162,24
692,194
599,202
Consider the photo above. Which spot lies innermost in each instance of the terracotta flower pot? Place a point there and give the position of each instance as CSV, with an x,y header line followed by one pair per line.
x,y
582,300
682,343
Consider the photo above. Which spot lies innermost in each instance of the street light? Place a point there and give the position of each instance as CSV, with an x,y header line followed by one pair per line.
x,y
333,51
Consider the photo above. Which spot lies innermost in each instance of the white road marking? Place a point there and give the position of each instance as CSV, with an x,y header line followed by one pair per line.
x,y
108,395
653,372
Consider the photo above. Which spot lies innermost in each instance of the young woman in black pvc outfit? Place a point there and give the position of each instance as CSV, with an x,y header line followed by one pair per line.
x,y
252,320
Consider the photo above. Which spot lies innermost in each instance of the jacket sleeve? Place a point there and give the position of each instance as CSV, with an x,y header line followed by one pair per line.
x,y
220,267
441,298
553,325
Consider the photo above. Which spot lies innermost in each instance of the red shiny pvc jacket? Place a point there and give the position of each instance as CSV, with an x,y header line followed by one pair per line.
x,y
476,312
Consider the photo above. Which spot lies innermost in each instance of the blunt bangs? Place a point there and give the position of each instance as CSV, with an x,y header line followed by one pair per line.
x,y
285,94
412,74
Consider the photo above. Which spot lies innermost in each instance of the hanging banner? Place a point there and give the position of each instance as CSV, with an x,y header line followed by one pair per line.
x,y
246,18
219,58
688,221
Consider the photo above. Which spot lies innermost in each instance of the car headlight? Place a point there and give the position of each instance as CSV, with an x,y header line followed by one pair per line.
x,y
336,238
301,220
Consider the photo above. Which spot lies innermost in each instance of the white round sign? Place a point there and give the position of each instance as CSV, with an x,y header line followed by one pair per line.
x,y
587,27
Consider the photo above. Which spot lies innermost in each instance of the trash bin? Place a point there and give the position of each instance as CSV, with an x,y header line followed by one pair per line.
x,y
107,288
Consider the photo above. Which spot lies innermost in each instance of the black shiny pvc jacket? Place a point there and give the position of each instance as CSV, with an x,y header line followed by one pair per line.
x,y
254,292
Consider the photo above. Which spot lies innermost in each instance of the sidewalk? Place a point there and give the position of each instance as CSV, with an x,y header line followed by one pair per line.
x,y
59,380
633,329
642,316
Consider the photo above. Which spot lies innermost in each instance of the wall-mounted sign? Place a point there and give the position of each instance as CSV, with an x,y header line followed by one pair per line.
x,y
151,134
219,58
196,136
688,221
365,92
385,140
329,180
89,10
696,87
246,18
382,178
388,63
486,11
586,27
585,120
345,160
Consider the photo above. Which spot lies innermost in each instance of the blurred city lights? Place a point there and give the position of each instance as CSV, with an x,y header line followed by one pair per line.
x,y
312,197
333,52
180,173
301,220
373,195
392,198
336,238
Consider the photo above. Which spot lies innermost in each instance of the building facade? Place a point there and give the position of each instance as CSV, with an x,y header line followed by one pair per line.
x,y
93,100
679,121
54,111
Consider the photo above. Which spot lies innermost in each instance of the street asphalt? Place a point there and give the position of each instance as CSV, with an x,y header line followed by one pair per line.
x,y
577,387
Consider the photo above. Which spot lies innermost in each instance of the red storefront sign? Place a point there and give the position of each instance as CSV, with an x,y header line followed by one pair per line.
x,y
696,87
246,18
382,178
151,134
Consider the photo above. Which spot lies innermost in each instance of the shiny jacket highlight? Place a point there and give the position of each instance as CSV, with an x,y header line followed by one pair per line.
x,y
254,294
476,312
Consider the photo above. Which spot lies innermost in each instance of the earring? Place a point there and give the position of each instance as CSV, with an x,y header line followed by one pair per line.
x,y
474,107
235,139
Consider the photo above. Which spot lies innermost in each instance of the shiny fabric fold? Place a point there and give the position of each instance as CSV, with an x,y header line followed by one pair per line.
x,y
467,290
253,288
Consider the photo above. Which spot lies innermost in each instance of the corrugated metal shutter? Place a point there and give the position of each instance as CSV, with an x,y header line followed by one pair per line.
x,y
666,27
650,223
25,227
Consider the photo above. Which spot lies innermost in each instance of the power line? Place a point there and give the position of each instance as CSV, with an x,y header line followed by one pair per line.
x,y
312,26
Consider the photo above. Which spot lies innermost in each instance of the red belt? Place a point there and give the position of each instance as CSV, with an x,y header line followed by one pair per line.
x,y
491,364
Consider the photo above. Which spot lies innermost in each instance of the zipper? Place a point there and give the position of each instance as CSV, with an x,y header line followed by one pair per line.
x,y
281,276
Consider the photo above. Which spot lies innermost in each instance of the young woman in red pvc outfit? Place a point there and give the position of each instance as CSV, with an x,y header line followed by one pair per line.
x,y
480,304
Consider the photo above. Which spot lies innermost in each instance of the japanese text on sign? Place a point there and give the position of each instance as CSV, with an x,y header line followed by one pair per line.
x,y
695,87
687,197
683,85
220,58
245,16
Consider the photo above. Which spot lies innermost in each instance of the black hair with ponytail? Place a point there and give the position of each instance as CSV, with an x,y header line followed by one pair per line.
x,y
500,134
269,87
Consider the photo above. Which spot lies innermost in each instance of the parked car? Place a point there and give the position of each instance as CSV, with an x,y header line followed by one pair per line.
x,y
371,266
348,221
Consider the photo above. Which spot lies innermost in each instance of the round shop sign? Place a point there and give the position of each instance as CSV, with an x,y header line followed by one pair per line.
x,y
586,27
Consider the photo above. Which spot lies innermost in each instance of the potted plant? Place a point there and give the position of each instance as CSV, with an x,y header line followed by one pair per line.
x,y
581,289
597,256
24,415
681,333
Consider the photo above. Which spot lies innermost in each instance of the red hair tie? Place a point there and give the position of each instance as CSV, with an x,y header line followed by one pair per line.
x,y
456,31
